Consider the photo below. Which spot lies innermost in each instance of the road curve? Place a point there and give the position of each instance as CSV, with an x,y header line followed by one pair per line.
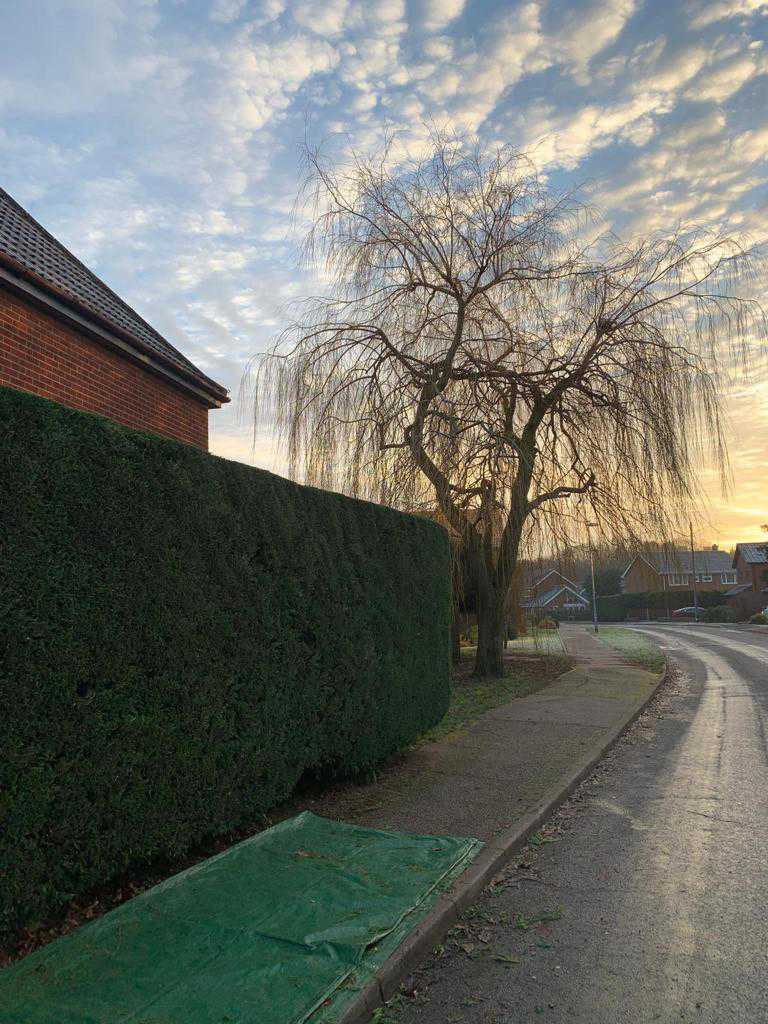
x,y
660,868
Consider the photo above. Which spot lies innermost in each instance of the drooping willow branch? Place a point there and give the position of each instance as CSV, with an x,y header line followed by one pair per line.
x,y
474,356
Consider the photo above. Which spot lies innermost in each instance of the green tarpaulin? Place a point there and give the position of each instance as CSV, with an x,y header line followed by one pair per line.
x,y
264,933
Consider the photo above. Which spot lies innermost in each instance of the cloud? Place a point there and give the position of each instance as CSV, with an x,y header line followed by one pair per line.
x,y
227,10
159,140
438,14
557,139
261,77
113,216
231,436
325,17
587,30
66,54
469,86
708,12
750,146
716,84
672,70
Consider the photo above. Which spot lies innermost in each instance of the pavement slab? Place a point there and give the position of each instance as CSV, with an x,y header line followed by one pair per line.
x,y
498,781
483,780
655,882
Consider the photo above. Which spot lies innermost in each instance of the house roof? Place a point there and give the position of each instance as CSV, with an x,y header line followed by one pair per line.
x,y
707,561
549,595
753,554
28,252
555,572
740,588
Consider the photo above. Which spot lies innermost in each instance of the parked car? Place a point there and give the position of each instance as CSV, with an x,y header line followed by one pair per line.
x,y
689,612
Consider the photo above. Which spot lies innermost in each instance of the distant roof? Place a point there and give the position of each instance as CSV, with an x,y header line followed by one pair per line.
x,y
29,251
740,588
549,595
707,561
556,572
754,554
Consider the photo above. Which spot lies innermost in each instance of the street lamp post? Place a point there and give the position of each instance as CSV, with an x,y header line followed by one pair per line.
x,y
592,569
693,577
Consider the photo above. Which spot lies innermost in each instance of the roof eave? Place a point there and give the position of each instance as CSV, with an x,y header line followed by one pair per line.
x,y
640,558
550,573
29,286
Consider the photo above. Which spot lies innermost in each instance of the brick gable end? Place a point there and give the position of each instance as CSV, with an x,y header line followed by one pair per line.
x,y
41,355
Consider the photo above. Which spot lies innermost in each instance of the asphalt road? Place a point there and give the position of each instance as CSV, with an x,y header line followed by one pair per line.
x,y
652,882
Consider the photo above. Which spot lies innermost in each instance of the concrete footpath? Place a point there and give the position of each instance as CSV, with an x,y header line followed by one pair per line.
x,y
499,780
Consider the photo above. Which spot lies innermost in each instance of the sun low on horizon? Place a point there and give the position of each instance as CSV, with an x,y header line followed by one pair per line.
x,y
161,140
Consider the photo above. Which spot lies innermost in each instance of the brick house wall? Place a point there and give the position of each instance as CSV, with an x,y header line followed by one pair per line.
x,y
641,578
40,354
754,573
702,585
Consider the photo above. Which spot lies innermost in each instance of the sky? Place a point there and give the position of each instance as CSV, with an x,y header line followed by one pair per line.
x,y
160,140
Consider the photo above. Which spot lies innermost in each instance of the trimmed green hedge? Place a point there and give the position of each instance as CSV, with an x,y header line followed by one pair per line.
x,y
720,613
614,607
183,638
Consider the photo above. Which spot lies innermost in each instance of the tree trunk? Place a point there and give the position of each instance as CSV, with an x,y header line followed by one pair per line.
x,y
456,641
489,660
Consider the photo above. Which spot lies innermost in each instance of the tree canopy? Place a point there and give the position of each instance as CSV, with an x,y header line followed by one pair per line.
x,y
484,349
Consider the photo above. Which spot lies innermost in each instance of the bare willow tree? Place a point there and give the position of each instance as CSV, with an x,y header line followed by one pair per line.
x,y
481,349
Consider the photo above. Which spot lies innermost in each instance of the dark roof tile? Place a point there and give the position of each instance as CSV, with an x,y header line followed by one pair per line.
x,y
754,554
27,247
707,561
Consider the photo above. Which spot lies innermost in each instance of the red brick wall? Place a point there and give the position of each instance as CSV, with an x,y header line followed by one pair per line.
x,y
41,355
642,578
756,574
550,581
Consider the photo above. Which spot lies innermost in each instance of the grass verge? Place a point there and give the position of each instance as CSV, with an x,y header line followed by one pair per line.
x,y
636,648
471,697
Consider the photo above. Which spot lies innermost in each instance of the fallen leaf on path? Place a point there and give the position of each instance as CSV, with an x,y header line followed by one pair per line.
x,y
505,958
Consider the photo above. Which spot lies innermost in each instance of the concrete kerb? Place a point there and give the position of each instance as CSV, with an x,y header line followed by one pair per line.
x,y
739,626
466,889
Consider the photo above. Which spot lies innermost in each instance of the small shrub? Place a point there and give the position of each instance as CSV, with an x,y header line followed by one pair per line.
x,y
720,613
548,624
759,619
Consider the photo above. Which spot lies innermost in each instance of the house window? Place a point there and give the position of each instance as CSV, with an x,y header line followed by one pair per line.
x,y
679,579
703,579
728,577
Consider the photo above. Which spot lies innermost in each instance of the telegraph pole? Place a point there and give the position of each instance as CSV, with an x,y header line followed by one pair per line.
x,y
592,568
693,571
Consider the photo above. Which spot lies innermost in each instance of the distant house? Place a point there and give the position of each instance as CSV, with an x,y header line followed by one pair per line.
x,y
67,336
673,571
555,592
750,561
